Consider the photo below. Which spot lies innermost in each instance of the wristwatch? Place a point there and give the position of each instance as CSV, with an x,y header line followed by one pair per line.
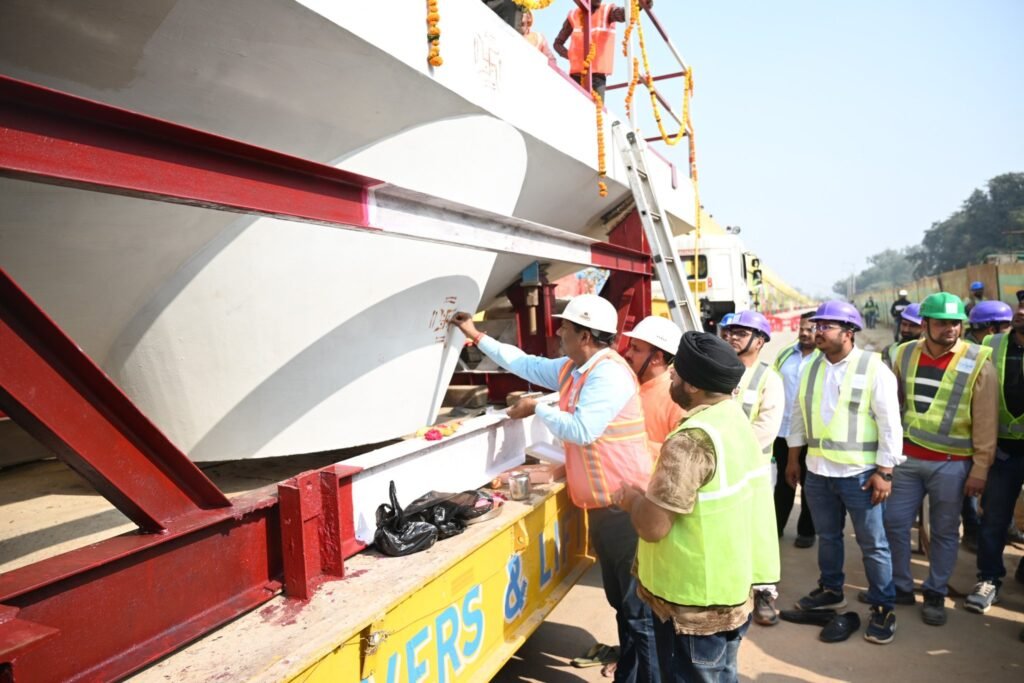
x,y
886,476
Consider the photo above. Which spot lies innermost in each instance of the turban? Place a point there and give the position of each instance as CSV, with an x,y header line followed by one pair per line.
x,y
708,363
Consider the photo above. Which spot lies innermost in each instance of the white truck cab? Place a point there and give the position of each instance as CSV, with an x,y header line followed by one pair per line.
x,y
724,278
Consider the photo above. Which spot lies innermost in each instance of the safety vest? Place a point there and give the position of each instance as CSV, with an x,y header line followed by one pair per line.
x,y
713,555
789,351
602,34
619,457
1010,427
946,425
751,391
851,436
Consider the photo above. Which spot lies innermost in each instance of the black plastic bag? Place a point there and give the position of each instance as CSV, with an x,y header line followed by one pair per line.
x,y
450,512
398,534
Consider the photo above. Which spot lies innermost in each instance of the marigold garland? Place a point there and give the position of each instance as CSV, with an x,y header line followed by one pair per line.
x,y
602,188
434,34
533,5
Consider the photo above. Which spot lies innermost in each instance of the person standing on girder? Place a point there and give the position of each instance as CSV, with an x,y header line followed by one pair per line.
x,y
603,17
600,421
652,348
762,396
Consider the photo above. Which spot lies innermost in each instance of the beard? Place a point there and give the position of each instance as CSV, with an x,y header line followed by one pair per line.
x,y
679,395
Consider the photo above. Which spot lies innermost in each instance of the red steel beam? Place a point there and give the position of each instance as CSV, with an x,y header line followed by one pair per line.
x,y
677,74
53,137
57,394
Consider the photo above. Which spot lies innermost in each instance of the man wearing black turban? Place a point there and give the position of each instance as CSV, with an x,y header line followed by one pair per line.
x,y
706,521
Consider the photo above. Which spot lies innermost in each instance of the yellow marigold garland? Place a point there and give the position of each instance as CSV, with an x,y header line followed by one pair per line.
x,y
649,82
434,34
602,188
533,5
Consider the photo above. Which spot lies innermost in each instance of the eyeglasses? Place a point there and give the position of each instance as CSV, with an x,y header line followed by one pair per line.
x,y
738,332
825,327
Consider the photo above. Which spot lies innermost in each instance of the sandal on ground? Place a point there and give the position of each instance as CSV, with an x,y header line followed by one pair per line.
x,y
597,655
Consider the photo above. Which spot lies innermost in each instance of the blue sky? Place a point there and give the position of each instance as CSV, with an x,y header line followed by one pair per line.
x,y
830,130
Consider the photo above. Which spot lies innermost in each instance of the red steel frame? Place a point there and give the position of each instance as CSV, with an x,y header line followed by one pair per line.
x,y
197,559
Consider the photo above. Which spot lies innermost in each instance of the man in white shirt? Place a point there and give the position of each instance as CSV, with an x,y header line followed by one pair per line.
x,y
847,414
790,363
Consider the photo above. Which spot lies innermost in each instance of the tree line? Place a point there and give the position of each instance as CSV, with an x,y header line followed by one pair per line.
x,y
990,221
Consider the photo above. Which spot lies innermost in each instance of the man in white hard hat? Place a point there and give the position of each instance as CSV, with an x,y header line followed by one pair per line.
x,y
652,347
600,421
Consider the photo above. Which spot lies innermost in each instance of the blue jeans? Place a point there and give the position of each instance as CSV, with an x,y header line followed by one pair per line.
x,y
614,541
707,659
1004,481
830,498
943,482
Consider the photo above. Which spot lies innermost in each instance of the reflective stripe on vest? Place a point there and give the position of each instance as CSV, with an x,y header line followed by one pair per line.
x,y
859,443
602,35
728,542
751,392
946,425
619,456
784,355
1010,427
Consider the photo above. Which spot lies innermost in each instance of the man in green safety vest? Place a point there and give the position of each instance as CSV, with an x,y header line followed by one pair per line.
x,y
1007,473
849,419
948,391
763,399
706,524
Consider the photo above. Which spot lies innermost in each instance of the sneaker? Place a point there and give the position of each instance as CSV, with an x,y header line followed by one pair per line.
x,y
933,611
821,598
804,541
984,595
902,597
764,609
881,626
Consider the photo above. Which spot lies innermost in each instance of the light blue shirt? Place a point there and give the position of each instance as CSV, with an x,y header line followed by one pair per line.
x,y
601,399
790,371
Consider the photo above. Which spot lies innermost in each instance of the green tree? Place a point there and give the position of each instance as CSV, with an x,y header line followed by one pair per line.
x,y
887,268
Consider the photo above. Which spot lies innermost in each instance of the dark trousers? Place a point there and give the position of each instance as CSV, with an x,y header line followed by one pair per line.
x,y
785,494
614,541
707,659
1005,479
597,81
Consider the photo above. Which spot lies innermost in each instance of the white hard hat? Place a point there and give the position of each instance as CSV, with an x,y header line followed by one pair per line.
x,y
903,292
590,310
659,332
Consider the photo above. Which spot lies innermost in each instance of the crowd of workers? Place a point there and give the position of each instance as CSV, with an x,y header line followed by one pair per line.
x,y
603,18
673,450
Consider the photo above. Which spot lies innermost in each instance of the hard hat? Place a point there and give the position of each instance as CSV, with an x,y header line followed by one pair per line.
x,y
902,292
593,311
726,319
752,320
659,332
985,312
840,312
943,306
977,286
912,314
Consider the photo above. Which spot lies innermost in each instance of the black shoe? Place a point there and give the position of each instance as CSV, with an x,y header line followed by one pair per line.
x,y
841,627
819,617
804,541
821,598
882,626
902,597
933,611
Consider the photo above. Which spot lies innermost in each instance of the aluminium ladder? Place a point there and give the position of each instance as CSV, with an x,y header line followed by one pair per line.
x,y
670,273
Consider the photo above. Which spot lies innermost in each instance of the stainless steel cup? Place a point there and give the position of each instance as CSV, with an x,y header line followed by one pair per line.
x,y
519,485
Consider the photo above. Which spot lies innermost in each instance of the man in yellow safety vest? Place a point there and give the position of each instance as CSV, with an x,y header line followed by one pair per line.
x,y
948,390
705,521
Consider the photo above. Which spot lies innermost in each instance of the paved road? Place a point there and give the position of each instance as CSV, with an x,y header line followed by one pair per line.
x,y
968,648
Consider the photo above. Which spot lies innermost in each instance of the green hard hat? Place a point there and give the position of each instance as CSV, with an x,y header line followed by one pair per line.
x,y
943,306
